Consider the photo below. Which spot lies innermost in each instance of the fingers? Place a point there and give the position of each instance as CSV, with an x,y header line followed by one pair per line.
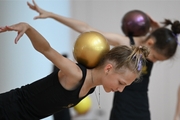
x,y
34,3
2,29
20,28
6,28
37,17
153,22
32,6
10,28
20,34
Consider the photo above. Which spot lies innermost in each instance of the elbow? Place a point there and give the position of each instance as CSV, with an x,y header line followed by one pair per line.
x,y
43,49
85,28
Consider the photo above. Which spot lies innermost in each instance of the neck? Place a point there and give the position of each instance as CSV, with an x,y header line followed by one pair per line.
x,y
95,80
139,40
92,79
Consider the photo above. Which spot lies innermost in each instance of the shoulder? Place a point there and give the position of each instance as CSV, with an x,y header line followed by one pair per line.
x,y
71,81
83,69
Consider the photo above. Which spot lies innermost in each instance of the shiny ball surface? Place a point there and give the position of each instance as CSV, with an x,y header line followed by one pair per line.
x,y
89,48
135,23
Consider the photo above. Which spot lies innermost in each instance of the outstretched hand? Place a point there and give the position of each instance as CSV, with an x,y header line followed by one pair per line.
x,y
20,28
35,7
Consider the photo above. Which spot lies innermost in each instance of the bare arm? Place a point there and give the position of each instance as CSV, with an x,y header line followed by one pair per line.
x,y
42,46
177,112
154,24
81,27
78,26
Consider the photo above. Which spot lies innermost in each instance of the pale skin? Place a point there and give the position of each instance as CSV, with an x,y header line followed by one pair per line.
x,y
113,39
177,113
106,76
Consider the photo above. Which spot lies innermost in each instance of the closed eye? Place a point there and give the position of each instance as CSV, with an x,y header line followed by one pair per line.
x,y
121,83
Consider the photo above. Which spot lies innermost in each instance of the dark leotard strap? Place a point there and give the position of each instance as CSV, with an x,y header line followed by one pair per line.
x,y
131,40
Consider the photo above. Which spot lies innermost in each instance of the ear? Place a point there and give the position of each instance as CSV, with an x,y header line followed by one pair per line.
x,y
150,42
107,68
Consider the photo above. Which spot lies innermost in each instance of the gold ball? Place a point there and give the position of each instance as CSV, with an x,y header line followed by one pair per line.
x,y
89,48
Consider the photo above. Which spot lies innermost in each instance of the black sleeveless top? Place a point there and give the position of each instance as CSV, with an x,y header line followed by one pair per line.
x,y
40,99
132,103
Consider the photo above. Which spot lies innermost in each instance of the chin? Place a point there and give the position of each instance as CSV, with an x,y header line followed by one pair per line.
x,y
107,91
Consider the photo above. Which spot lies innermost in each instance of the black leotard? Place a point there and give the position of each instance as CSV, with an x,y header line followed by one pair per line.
x,y
133,103
39,99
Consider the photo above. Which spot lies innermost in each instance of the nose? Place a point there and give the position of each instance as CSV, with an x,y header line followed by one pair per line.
x,y
120,89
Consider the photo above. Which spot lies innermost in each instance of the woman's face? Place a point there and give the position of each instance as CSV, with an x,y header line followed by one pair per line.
x,y
116,81
154,56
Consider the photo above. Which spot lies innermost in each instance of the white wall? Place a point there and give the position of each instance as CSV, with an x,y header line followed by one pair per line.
x,y
106,16
20,64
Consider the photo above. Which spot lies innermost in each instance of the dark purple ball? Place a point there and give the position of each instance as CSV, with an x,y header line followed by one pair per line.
x,y
135,23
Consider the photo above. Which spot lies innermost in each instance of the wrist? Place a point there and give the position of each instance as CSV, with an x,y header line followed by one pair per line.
x,y
28,27
51,14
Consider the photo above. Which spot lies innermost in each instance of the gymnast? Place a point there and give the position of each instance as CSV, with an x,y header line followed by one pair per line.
x,y
63,89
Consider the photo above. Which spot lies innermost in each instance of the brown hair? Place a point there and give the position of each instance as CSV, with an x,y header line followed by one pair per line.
x,y
132,58
165,39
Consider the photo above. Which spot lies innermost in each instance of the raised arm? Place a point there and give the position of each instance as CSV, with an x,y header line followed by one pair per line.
x,y
78,26
42,46
154,24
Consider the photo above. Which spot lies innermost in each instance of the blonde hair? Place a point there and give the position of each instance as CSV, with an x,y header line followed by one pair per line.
x,y
132,58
